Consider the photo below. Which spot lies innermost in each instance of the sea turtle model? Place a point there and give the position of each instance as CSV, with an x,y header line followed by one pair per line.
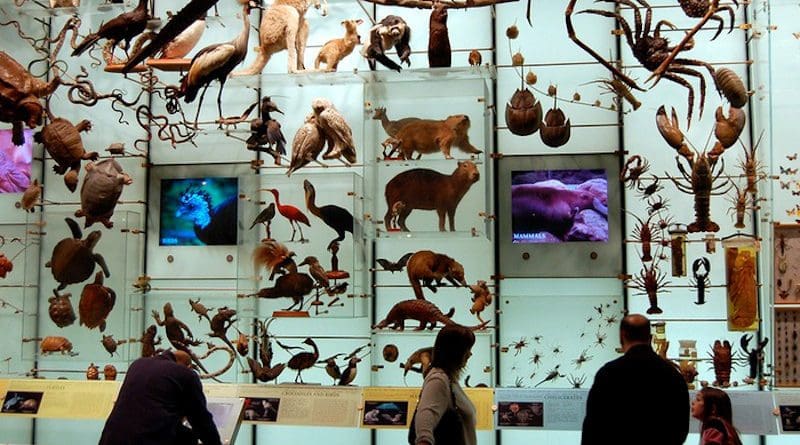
x,y
60,309
19,96
63,142
73,260
100,191
96,303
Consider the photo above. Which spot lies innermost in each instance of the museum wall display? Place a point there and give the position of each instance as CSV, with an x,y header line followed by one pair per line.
x,y
300,193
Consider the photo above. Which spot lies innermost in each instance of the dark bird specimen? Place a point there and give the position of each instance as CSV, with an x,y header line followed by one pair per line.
x,y
474,58
332,368
264,371
215,62
349,373
395,267
276,257
439,55
265,132
213,225
194,10
294,285
307,144
302,360
335,217
265,217
316,271
123,27
292,213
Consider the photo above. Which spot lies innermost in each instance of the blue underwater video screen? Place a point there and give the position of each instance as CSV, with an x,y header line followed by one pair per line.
x,y
557,206
199,212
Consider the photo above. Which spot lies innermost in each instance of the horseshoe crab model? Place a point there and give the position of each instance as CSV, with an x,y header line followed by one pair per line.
x,y
73,259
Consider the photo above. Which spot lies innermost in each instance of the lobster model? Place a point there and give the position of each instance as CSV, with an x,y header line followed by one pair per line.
x,y
421,310
645,232
755,357
649,281
701,267
651,50
722,357
728,128
700,182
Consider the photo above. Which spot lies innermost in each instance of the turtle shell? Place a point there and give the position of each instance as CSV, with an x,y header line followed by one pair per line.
x,y
61,311
92,372
109,344
110,372
96,303
55,343
523,113
62,141
102,187
73,260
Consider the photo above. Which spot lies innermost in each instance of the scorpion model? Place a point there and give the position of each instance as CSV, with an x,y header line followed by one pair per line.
x,y
652,50
701,178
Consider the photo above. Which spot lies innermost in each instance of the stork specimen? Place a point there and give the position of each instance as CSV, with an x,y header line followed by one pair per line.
x,y
125,27
292,213
335,217
215,62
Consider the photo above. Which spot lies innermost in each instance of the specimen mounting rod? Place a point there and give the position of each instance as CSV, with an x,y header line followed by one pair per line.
x,y
428,4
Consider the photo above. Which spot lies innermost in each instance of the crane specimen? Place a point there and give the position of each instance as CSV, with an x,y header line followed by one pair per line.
x,y
215,62
335,217
302,360
265,132
292,213
265,217
123,27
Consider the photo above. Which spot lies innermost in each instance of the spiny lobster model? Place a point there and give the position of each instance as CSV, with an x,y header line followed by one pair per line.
x,y
302,360
337,218
265,371
292,213
427,313
699,182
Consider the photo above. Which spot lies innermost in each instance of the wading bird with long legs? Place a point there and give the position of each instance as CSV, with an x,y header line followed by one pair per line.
x,y
292,213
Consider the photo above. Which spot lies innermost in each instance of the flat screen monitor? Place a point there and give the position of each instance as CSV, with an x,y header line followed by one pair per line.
x,y
15,162
198,212
559,216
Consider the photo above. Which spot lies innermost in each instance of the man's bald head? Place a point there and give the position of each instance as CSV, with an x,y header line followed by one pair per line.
x,y
182,358
633,330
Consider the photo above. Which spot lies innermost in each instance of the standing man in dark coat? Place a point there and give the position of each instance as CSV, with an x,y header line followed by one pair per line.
x,y
157,393
638,398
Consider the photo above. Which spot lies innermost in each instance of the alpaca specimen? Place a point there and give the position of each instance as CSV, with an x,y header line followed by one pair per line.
x,y
335,217
125,27
283,27
215,62
213,225
292,213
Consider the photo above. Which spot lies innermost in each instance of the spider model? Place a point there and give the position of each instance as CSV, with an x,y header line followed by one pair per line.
x,y
650,49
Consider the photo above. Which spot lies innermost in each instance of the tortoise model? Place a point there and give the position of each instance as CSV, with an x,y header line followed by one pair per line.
x,y
96,303
19,96
60,310
73,259
100,191
63,142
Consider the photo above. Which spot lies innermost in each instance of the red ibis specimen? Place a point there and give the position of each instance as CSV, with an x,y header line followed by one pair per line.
x,y
125,27
266,132
215,62
335,217
292,213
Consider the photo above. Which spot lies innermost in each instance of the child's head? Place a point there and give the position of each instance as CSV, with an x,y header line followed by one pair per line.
x,y
712,402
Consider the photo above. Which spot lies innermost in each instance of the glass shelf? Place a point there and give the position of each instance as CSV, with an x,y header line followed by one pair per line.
x,y
31,9
428,234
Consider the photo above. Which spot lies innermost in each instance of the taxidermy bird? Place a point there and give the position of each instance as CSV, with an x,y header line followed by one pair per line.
x,y
184,42
190,13
265,217
332,368
335,217
336,130
474,58
265,132
307,144
264,371
292,213
316,271
302,360
294,285
439,55
275,257
123,27
215,62
394,267
213,225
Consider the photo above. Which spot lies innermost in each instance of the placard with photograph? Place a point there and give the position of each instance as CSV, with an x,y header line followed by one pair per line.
x,y
22,402
385,413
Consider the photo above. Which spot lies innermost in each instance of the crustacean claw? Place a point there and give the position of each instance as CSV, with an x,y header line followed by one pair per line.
x,y
729,128
669,128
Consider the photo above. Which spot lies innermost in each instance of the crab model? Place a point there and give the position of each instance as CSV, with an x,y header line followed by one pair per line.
x,y
650,49
63,142
19,96
100,191
73,258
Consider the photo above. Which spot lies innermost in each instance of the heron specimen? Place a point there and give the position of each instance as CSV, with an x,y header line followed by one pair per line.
x,y
335,217
215,62
292,213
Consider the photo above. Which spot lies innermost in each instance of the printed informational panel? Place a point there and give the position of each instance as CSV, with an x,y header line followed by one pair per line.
x,y
788,406
540,408
61,399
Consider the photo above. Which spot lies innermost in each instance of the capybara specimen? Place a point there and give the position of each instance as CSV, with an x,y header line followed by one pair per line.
x,y
429,136
425,189
427,267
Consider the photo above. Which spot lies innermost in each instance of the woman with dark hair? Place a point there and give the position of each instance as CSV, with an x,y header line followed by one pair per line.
x,y
441,391
712,407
